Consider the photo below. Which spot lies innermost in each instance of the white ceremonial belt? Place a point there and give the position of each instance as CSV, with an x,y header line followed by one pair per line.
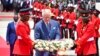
x,y
90,39
19,37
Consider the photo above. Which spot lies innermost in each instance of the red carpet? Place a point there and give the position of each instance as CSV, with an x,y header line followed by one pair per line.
x,y
4,48
1,17
6,17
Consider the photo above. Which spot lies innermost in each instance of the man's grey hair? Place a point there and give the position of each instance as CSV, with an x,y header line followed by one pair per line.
x,y
46,12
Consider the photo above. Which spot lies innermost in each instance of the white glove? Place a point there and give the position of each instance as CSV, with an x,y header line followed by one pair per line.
x,y
35,8
62,17
76,22
57,17
34,15
68,20
38,9
19,37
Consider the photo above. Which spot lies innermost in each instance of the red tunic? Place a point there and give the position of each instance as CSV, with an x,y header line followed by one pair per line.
x,y
96,23
55,11
85,39
65,14
72,17
23,44
36,4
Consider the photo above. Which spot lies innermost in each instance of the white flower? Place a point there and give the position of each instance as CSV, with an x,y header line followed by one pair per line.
x,y
53,45
47,48
70,43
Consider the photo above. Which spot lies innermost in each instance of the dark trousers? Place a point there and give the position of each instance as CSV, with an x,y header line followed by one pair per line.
x,y
63,33
97,48
11,49
10,7
45,53
71,34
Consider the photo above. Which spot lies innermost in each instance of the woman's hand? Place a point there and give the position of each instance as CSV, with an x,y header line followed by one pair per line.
x,y
33,44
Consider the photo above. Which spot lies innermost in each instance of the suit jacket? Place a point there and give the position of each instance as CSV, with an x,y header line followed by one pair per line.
x,y
23,44
41,32
11,33
86,39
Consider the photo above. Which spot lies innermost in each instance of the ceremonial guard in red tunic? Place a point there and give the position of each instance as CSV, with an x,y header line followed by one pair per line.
x,y
86,41
70,21
23,45
96,22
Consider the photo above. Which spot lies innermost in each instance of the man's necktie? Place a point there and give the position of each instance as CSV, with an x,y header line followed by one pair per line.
x,y
48,27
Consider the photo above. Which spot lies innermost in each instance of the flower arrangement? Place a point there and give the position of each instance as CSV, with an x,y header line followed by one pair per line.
x,y
52,45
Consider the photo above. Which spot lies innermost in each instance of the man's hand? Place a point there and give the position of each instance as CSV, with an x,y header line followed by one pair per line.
x,y
33,43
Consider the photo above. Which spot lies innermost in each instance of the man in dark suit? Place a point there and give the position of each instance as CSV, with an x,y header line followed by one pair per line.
x,y
11,34
47,29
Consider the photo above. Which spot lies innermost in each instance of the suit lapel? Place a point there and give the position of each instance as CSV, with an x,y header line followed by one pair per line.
x,y
46,32
50,26
14,26
52,30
